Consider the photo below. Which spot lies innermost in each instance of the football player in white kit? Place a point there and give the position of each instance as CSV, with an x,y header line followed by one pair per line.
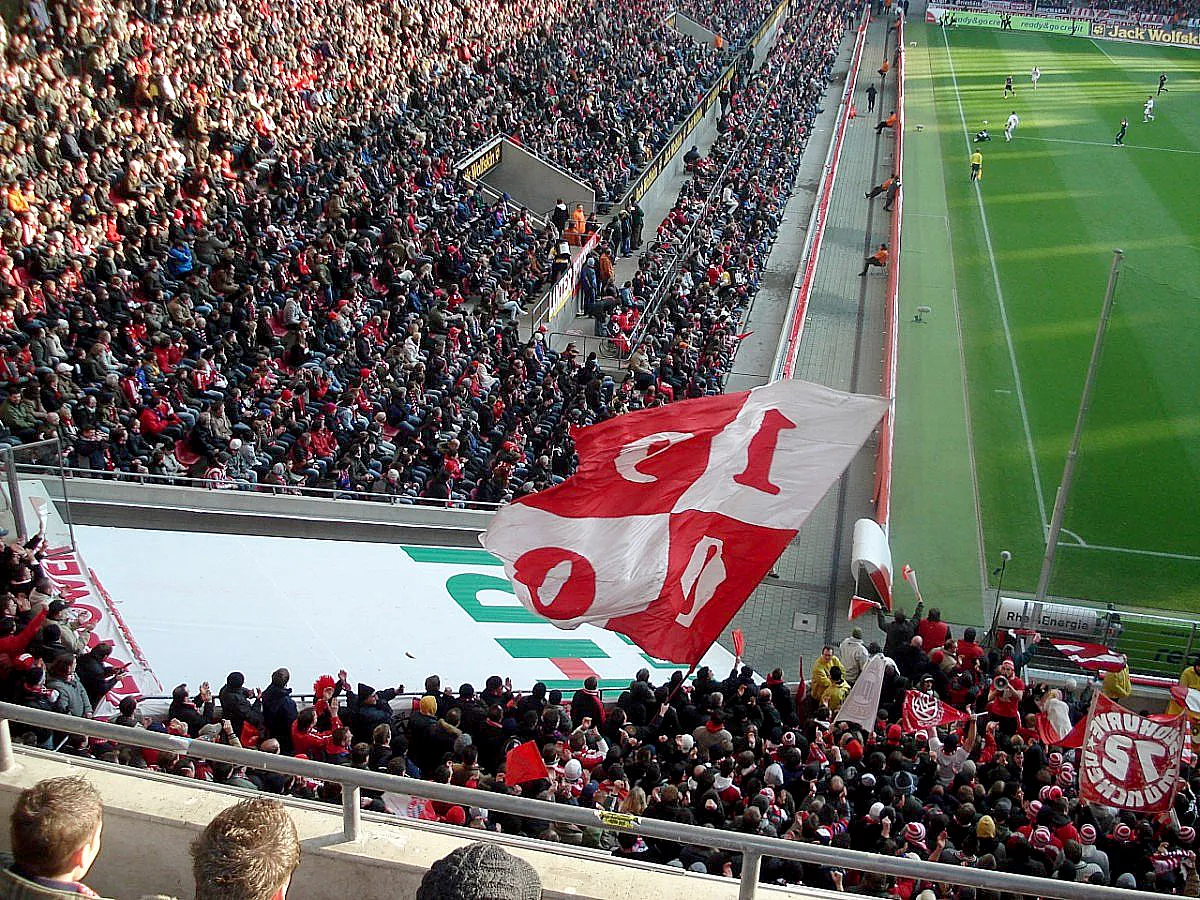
x,y
1011,125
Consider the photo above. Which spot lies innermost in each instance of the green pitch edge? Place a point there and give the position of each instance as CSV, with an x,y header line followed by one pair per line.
x,y
934,510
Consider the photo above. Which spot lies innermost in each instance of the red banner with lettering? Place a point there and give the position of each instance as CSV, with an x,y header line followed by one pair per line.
x,y
676,513
93,613
1130,761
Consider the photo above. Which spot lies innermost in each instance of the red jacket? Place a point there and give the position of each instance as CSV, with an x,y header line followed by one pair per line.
x,y
14,645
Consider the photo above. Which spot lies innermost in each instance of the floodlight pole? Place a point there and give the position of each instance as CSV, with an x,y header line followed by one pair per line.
x,y
1064,488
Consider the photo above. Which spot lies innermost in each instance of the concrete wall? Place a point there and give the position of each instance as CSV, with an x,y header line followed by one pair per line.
x,y
128,505
149,821
535,183
684,24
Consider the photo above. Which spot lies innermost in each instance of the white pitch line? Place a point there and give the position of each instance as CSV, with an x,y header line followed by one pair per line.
x,y
1131,551
1008,339
1105,52
1102,144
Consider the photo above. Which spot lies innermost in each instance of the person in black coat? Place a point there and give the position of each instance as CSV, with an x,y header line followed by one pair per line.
x,y
367,709
187,711
96,676
279,709
586,703
237,703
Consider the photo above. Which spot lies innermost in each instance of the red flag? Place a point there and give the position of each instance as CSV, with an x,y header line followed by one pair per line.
x,y
742,336
923,711
1072,740
739,643
1130,761
524,763
1093,657
676,513
860,605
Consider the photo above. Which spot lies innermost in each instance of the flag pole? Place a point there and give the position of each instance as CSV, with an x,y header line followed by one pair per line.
x,y
1064,487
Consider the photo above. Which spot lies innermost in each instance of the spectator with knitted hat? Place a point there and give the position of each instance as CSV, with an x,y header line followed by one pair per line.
x,y
481,871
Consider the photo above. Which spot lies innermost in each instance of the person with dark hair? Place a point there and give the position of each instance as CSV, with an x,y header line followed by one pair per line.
x,y
237,701
279,709
878,260
185,709
932,630
96,675
62,678
587,704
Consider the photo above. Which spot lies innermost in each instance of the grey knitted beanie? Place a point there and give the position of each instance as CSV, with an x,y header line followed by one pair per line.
x,y
480,872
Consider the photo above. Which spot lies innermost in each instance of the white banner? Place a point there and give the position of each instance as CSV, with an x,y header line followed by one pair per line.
x,y
862,703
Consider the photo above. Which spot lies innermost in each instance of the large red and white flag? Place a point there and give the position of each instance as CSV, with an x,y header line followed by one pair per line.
x,y
1093,657
1130,761
676,513
924,711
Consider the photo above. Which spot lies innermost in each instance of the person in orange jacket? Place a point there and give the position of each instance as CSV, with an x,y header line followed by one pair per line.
x,y
878,259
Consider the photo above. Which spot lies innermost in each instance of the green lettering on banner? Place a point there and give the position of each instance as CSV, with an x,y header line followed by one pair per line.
x,y
458,556
465,590
551,648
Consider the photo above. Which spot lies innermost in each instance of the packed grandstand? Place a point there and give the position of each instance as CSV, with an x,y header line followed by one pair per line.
x,y
236,247
296,288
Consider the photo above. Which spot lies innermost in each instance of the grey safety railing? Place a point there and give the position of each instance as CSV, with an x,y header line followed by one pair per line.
x,y
10,461
248,487
752,848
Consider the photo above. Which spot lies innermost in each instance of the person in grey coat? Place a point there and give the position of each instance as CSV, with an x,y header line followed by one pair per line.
x,y
62,678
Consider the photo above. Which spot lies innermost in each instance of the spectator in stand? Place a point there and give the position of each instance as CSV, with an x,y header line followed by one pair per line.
x,y
279,709
55,835
480,871
932,630
853,654
249,851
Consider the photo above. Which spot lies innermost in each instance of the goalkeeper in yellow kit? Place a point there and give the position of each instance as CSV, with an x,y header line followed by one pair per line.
x,y
976,166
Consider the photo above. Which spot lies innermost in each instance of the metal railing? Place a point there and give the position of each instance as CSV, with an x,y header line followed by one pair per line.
x,y
752,848
194,483
9,457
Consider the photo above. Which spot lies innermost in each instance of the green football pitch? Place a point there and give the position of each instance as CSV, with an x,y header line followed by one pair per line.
x,y
1014,270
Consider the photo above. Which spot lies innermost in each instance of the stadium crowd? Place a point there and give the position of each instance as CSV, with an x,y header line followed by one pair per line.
x,y
743,753
723,224
205,274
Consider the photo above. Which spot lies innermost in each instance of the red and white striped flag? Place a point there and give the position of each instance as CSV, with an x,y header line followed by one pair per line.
x,y
1092,657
